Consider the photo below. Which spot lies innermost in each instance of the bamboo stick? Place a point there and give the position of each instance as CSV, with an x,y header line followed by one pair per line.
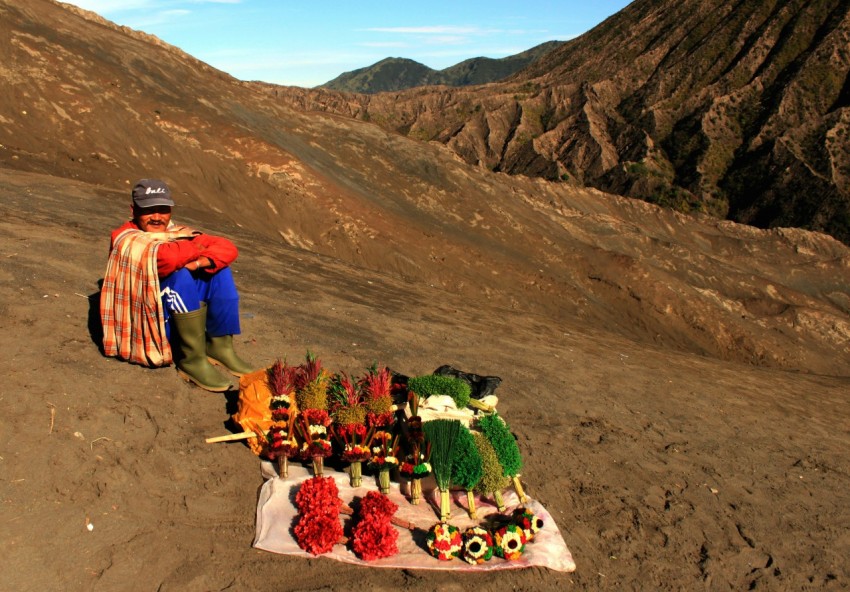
x,y
476,404
232,437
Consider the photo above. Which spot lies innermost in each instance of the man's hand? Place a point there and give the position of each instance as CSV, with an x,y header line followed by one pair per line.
x,y
199,263
182,232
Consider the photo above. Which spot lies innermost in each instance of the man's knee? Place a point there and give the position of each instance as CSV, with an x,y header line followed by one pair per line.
x,y
180,292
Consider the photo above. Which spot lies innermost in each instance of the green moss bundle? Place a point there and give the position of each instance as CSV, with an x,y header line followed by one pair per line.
x,y
466,466
442,435
313,395
497,432
493,480
433,384
350,415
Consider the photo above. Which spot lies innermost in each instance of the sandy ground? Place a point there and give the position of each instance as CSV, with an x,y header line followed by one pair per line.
x,y
663,470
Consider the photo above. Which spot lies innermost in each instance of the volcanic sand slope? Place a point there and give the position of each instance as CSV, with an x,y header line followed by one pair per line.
x,y
662,469
677,384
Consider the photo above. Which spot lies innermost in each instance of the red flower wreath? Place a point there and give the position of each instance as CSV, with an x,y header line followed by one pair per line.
x,y
444,541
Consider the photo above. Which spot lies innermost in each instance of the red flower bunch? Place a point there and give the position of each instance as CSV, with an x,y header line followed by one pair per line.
x,y
316,417
351,432
354,440
280,412
374,535
318,527
317,495
380,420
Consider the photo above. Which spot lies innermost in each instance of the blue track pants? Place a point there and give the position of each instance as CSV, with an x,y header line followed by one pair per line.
x,y
184,290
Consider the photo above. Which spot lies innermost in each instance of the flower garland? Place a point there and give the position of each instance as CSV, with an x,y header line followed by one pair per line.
x,y
530,523
509,542
318,527
477,545
374,536
444,541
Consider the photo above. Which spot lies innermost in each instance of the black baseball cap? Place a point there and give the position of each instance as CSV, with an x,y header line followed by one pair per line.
x,y
152,192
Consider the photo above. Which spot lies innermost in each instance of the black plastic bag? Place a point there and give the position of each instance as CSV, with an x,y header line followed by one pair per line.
x,y
481,385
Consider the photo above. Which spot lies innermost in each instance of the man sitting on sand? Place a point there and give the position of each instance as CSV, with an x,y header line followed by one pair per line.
x,y
166,284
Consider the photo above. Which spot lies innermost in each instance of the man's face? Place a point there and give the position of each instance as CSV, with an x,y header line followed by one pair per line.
x,y
153,219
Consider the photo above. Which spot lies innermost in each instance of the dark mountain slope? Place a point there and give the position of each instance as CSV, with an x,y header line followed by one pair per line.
x,y
394,74
389,74
736,109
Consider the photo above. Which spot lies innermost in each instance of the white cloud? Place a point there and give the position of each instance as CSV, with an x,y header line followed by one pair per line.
x,y
446,40
383,44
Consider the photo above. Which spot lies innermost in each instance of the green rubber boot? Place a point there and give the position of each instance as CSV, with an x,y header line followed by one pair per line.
x,y
192,363
220,352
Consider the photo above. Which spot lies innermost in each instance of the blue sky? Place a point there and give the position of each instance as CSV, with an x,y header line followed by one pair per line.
x,y
304,43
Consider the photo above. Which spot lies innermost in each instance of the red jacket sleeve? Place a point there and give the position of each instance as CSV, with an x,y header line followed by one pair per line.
x,y
173,255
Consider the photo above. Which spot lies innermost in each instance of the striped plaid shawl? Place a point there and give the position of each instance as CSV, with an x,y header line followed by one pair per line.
x,y
130,305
